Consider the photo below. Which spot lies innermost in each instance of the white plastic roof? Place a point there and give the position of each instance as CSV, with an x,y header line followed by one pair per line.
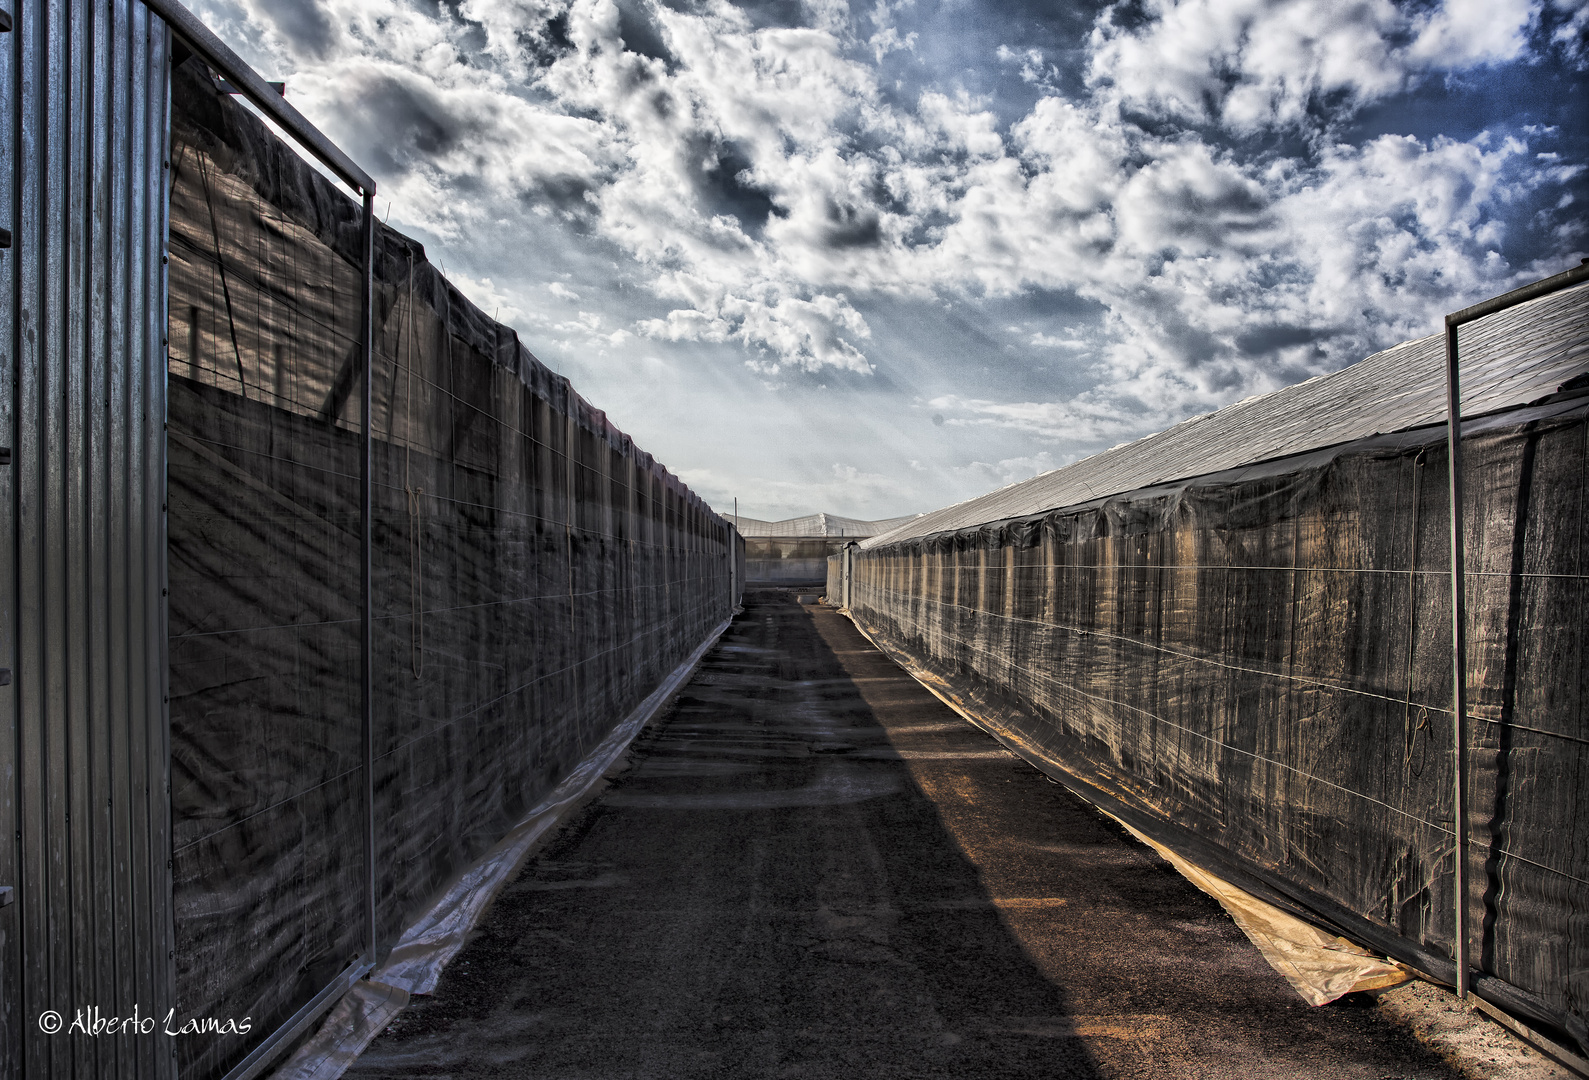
x,y
817,525
1511,358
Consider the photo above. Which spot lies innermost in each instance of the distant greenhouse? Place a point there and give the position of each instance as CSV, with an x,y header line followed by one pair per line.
x,y
795,551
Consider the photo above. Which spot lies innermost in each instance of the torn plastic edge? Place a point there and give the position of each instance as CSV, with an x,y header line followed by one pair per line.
x,y
416,962
1495,997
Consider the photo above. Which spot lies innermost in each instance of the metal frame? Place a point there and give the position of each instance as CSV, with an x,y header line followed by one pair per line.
x,y
246,81
262,1056
243,80
367,614
1459,614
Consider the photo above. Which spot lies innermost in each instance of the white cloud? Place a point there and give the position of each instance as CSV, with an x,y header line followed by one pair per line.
x,y
762,189
1571,33
1463,33
985,475
1254,64
1041,340
1087,419
841,488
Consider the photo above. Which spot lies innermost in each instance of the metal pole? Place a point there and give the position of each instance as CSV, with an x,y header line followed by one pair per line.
x,y
1459,666
366,483
1459,615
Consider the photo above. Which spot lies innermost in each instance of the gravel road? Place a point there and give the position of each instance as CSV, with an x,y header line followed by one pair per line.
x,y
813,868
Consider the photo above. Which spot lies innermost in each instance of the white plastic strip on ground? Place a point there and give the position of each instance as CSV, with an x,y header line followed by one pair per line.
x,y
416,961
1319,966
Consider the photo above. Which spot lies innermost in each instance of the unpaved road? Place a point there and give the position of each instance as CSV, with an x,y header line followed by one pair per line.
x,y
815,869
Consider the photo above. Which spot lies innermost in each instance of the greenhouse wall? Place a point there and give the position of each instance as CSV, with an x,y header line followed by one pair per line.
x,y
533,577
1254,666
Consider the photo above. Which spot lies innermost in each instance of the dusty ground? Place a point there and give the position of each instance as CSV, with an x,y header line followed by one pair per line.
x,y
814,869
1478,1046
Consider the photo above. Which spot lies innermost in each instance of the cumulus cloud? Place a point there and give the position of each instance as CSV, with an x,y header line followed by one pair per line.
x,y
765,187
1255,64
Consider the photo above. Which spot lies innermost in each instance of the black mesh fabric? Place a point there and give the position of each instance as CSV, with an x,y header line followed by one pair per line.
x,y
535,576
1256,666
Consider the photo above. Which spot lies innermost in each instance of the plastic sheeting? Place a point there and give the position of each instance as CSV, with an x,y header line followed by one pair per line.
x,y
775,561
1319,966
1253,668
536,576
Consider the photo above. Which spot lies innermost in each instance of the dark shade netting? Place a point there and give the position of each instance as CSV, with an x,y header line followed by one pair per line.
x,y
535,576
1255,665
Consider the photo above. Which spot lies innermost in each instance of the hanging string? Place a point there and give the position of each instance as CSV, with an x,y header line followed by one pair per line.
x,y
416,522
220,266
1412,620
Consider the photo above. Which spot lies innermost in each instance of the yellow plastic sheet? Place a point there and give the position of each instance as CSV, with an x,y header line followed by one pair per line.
x,y
1318,965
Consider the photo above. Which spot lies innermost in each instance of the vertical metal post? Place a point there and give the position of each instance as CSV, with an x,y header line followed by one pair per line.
x,y
1459,665
367,645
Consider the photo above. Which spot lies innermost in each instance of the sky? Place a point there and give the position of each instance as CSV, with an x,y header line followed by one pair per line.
x,y
875,258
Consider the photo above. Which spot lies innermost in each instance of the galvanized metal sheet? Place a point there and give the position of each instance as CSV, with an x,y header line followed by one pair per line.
x,y
82,313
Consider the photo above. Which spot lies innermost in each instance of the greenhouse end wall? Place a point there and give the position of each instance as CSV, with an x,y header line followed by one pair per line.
x,y
779,560
1255,666
535,577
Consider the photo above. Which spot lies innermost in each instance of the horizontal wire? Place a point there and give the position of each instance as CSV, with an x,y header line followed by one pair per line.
x,y
544,596
1309,680
432,731
1255,756
563,595
542,678
1290,569
558,522
1085,632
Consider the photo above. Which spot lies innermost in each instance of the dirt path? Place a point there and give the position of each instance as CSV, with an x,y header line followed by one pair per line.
x,y
815,869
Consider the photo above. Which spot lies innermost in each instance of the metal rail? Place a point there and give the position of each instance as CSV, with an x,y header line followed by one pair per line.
x,y
1459,614
367,615
246,81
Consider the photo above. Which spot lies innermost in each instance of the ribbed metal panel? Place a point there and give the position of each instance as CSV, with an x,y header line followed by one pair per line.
x,y
81,592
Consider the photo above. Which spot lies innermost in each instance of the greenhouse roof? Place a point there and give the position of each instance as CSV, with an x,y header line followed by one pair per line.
x,y
1509,359
817,525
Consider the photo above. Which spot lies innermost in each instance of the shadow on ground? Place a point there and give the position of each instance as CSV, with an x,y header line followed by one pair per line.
x,y
815,869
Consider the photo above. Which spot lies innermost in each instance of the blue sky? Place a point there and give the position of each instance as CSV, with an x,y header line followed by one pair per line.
x,y
874,258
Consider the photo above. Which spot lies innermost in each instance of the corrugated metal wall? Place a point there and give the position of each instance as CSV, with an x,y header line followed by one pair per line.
x,y
82,320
